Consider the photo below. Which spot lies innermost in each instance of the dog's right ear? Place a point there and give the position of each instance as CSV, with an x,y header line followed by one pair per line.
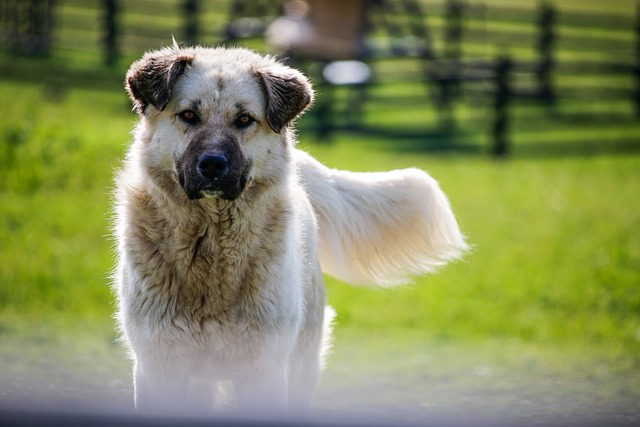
x,y
150,80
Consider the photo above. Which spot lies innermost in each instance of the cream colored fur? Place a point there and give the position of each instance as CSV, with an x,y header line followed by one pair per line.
x,y
214,290
381,227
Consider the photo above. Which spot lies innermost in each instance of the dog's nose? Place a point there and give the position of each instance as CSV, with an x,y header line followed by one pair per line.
x,y
212,166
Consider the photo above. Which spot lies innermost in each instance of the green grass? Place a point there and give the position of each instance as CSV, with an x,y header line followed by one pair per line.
x,y
56,160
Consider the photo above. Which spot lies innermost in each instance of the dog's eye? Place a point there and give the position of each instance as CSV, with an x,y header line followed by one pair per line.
x,y
189,116
244,120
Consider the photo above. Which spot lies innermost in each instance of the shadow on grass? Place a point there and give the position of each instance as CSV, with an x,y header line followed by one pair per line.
x,y
59,75
468,143
619,146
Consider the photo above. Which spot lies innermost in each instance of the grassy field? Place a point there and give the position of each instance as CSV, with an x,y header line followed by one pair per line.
x,y
540,323
542,319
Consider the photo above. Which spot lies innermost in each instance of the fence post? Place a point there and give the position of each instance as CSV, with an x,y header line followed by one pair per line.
x,y
546,41
449,77
39,26
501,107
110,31
453,34
191,27
324,113
636,68
26,25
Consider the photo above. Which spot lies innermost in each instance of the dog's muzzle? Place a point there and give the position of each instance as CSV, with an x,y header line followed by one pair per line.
x,y
213,166
215,176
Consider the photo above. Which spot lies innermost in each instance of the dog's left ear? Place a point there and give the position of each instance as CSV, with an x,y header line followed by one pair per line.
x,y
287,93
150,80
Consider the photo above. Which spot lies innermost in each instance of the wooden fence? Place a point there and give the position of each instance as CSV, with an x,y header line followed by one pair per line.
x,y
476,55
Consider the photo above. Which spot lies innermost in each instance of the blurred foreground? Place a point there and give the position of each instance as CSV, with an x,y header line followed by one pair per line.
x,y
366,383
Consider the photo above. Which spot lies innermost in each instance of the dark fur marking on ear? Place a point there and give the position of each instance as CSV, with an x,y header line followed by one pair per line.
x,y
150,80
287,94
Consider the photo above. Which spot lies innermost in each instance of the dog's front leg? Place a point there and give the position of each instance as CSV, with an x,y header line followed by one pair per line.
x,y
158,390
170,389
264,394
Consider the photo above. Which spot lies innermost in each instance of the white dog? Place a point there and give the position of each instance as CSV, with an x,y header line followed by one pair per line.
x,y
224,228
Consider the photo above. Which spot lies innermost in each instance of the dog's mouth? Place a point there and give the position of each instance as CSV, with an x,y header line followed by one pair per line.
x,y
211,193
223,190
207,190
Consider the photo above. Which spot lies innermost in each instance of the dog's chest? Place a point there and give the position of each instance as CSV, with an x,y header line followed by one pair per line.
x,y
206,272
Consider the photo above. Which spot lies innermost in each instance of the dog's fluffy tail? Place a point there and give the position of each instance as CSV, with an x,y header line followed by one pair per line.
x,y
380,228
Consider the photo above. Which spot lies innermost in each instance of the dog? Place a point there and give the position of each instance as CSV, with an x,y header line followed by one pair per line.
x,y
224,228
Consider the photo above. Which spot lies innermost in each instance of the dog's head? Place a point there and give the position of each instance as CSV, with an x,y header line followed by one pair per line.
x,y
216,118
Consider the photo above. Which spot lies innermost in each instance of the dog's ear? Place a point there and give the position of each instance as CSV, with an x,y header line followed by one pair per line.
x,y
287,93
150,80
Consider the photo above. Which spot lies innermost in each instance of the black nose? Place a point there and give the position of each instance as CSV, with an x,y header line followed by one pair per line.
x,y
213,166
